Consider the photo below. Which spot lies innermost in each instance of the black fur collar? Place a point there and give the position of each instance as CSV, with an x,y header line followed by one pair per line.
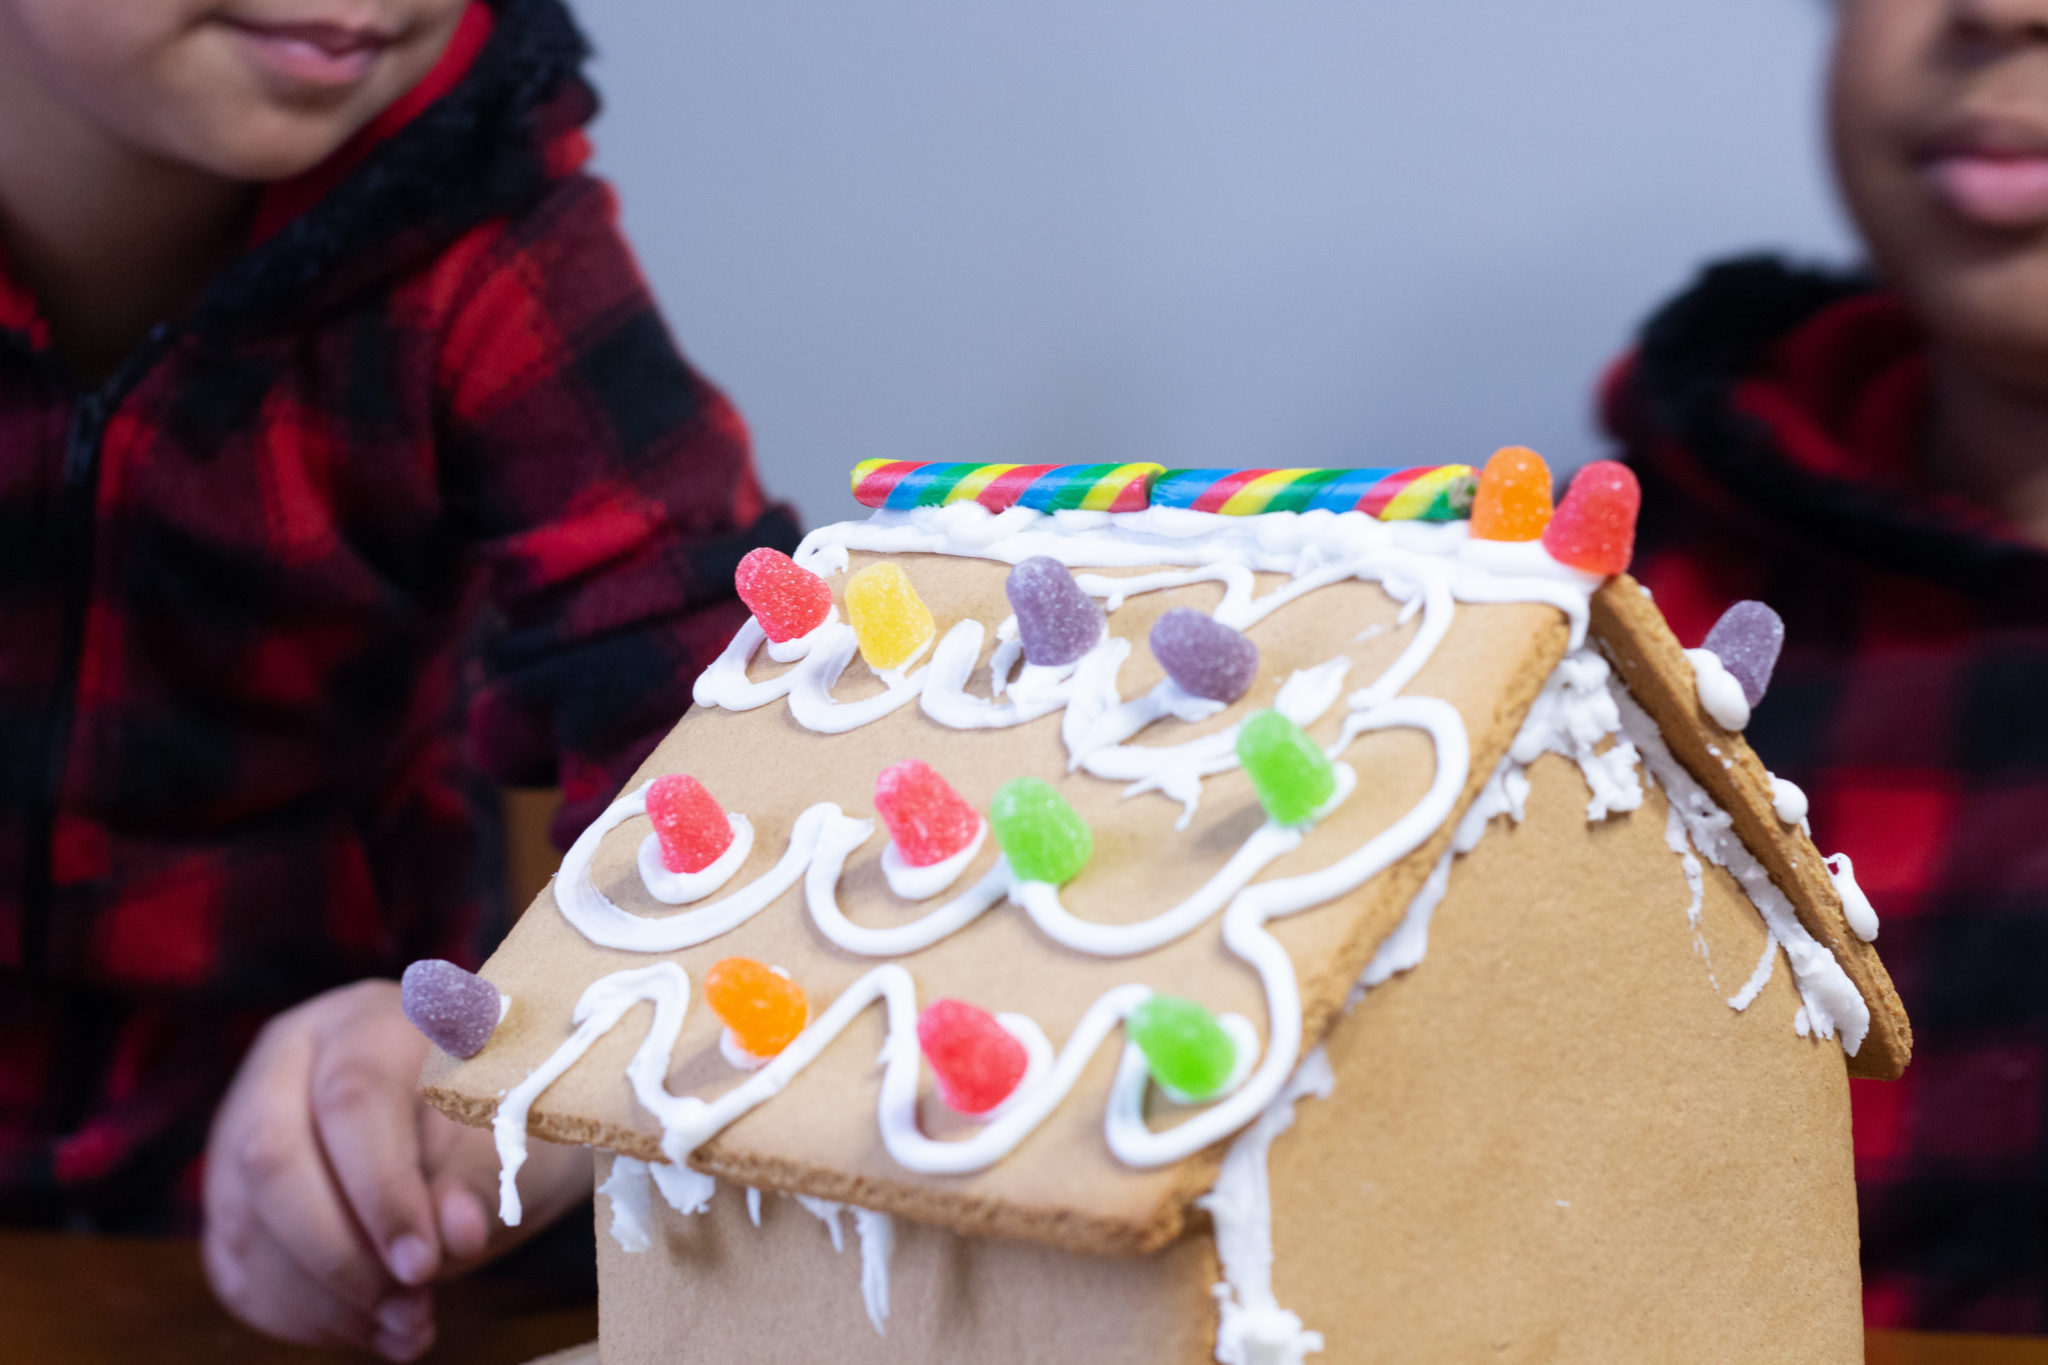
x,y
1692,354
474,153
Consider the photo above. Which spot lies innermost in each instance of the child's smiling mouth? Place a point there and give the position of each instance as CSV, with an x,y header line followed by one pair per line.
x,y
316,55
1990,172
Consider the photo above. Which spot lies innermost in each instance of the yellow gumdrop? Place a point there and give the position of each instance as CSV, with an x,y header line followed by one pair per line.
x,y
889,619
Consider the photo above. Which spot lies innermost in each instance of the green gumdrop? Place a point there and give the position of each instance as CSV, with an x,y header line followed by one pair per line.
x,y
1039,832
1290,772
1186,1048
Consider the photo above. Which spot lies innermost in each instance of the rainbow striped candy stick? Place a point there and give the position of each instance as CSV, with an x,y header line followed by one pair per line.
x,y
1424,493
1042,487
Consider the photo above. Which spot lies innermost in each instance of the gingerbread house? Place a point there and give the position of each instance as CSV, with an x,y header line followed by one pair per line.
x,y
1301,913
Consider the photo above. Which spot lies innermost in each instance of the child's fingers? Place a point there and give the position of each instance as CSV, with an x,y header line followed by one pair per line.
x,y
261,1282
265,1166
366,1115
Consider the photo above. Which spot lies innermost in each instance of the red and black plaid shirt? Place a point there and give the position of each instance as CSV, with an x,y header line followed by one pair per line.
x,y
420,494
1775,416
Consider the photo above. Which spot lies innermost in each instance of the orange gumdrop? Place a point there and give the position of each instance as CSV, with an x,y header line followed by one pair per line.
x,y
763,1008
1513,501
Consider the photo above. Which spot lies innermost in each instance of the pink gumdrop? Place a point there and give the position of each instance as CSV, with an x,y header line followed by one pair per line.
x,y
786,598
689,822
929,821
977,1063
457,1009
1595,525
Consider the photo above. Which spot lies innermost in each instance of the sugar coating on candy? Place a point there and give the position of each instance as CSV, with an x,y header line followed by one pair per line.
x,y
928,821
787,599
1203,656
1747,639
1513,501
1056,622
975,1059
889,619
1185,1046
1292,775
763,1008
689,822
1040,834
1595,525
456,1009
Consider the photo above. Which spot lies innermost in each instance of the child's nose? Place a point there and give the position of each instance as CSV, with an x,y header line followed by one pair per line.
x,y
2001,23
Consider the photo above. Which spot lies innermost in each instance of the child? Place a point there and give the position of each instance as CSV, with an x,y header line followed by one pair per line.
x,y
1873,461
335,418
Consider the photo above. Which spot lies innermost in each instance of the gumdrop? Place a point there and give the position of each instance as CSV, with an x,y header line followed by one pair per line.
x,y
1595,525
889,619
763,1008
457,1010
1056,621
1187,1049
1747,639
927,819
688,820
1290,772
787,599
977,1062
1041,835
1203,656
1513,502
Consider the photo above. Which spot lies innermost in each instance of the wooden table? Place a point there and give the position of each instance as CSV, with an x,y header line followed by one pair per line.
x,y
88,1300
95,1300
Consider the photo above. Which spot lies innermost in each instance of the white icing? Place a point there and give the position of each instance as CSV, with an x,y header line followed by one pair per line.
x,y
686,1191
1832,1005
1253,1329
685,888
922,883
1407,945
789,651
604,923
1856,906
827,1212
877,1233
1720,695
754,1206
736,1056
632,1199
1788,801
603,1003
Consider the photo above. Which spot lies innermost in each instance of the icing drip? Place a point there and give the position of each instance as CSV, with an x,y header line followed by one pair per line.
x,y
754,1206
1833,1006
630,1188
877,1232
632,1198
1856,906
1788,801
1253,1329
1721,696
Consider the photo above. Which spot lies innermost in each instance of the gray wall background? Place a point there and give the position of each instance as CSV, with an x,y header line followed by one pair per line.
x,y
1207,232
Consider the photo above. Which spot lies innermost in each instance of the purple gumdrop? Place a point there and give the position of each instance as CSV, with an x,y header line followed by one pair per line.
x,y
1057,622
457,1010
1206,657
1747,639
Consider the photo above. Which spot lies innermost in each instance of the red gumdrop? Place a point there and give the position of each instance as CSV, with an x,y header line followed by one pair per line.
x,y
786,598
1595,525
689,822
977,1062
929,821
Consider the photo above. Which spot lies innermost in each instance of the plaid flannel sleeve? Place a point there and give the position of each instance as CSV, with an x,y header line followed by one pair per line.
x,y
610,489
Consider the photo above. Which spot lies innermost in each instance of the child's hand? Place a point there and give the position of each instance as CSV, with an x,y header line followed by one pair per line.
x,y
334,1194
